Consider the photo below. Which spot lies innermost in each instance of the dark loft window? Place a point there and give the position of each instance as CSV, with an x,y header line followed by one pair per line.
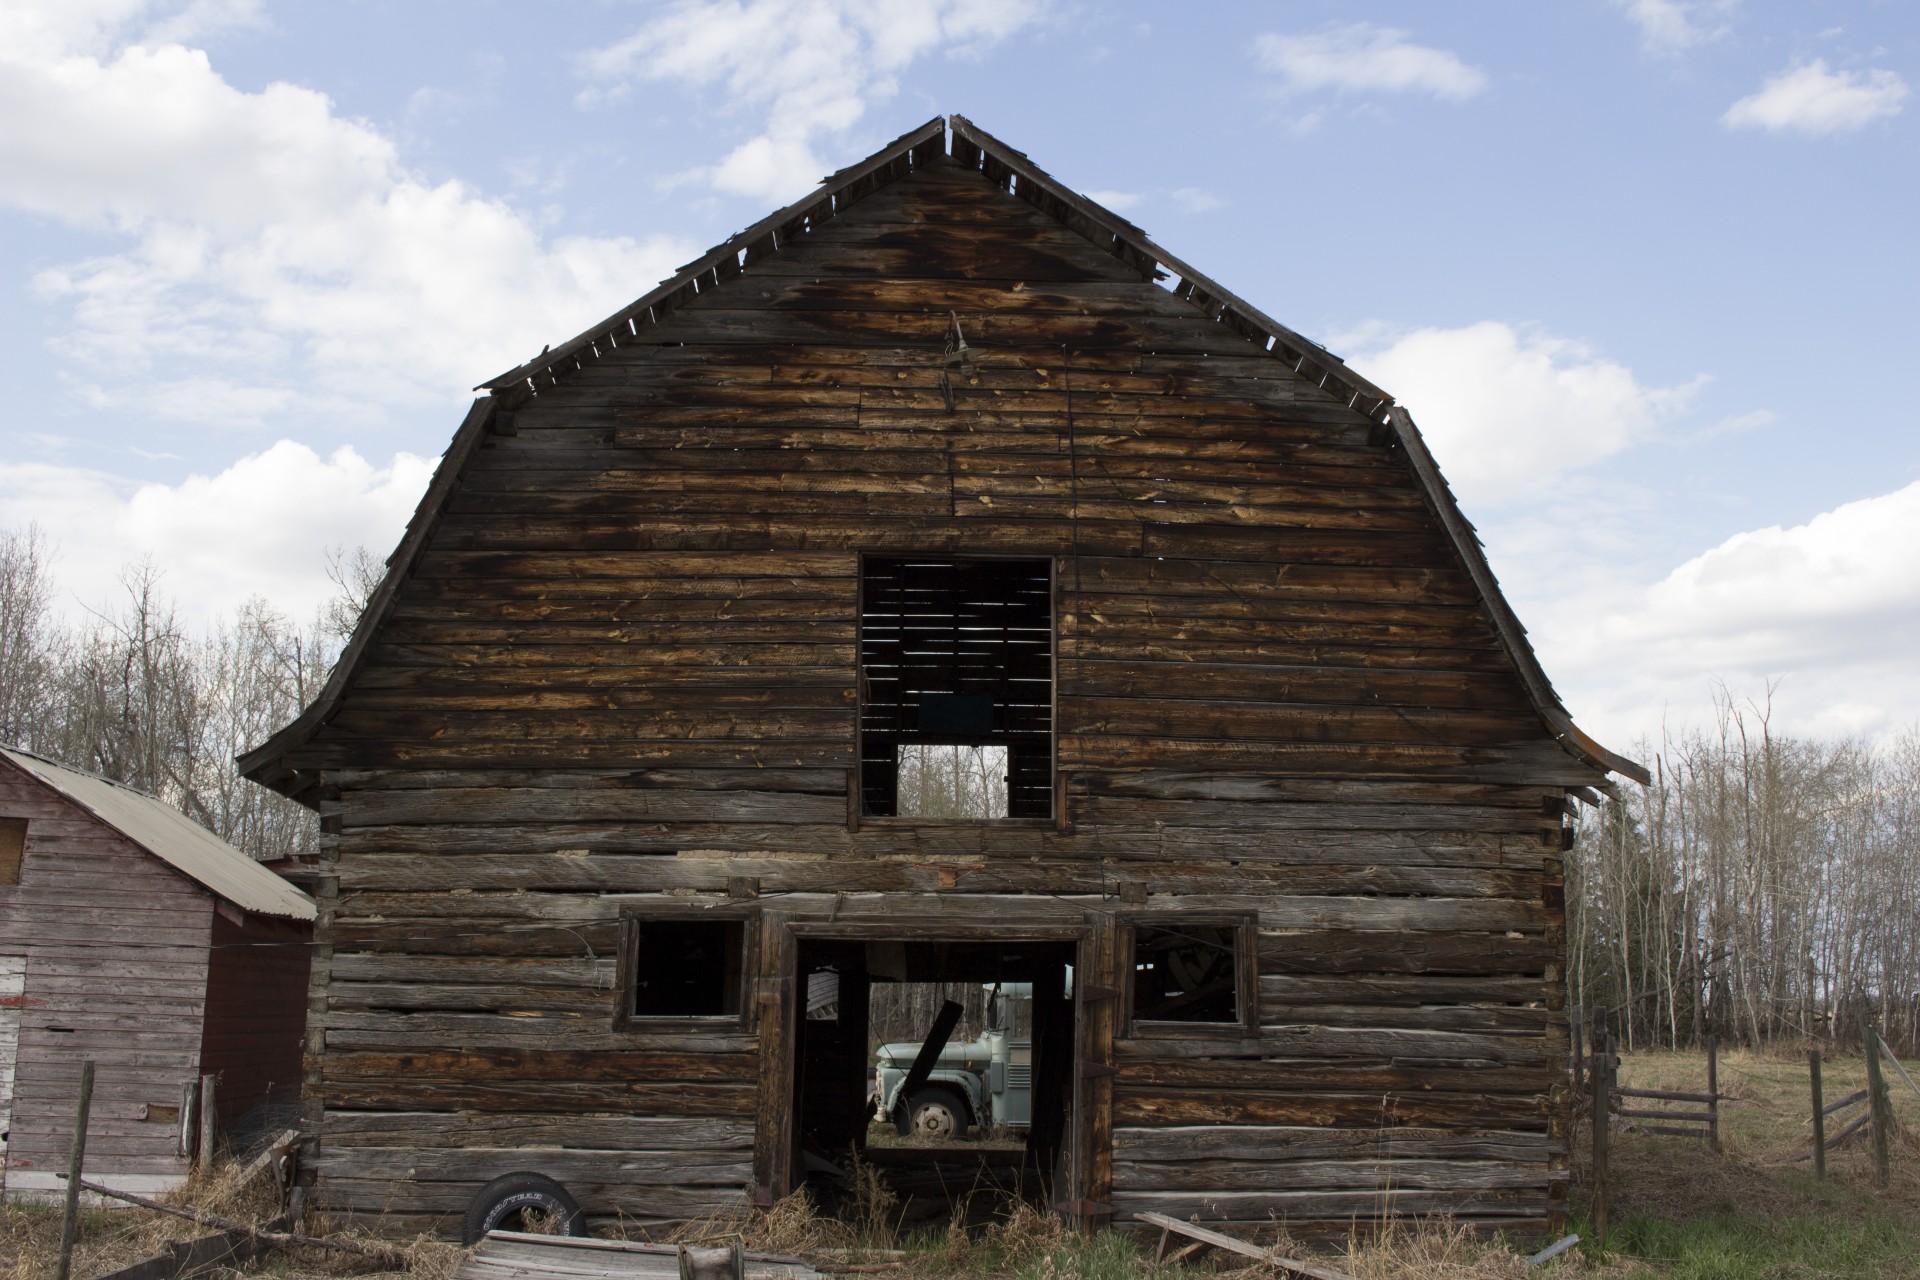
x,y
956,688
13,848
1186,973
686,968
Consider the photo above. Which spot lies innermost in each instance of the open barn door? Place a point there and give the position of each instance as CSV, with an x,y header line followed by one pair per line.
x,y
986,1113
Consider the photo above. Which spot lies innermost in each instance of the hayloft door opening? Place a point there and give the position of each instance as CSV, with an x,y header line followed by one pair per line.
x,y
945,1067
956,688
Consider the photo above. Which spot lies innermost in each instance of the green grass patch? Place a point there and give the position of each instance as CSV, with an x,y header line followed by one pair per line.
x,y
1846,1243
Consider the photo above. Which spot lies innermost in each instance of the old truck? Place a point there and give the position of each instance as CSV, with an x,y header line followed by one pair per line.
x,y
986,1083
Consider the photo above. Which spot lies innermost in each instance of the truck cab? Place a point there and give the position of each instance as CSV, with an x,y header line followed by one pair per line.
x,y
986,1082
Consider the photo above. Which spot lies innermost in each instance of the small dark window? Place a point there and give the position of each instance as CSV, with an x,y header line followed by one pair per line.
x,y
1187,972
956,688
13,848
686,968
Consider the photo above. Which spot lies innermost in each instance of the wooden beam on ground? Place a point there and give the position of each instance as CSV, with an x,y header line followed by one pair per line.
x,y
1218,1240
384,1253
1886,1055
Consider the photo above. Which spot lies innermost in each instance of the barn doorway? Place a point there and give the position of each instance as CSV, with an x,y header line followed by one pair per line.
x,y
982,1122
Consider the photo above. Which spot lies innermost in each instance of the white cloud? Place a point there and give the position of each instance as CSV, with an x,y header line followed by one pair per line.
x,y
1507,410
1361,57
260,242
1118,201
1736,424
1670,27
1828,608
50,28
1195,200
1814,99
813,66
260,527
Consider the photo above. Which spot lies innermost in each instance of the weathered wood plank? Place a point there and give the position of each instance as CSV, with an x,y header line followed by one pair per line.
x,y
603,1132
1257,1146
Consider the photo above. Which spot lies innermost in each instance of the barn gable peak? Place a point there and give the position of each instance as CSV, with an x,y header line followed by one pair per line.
x,y
943,141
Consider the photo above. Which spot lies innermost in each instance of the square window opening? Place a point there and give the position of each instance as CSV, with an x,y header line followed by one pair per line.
x,y
687,968
956,688
1186,973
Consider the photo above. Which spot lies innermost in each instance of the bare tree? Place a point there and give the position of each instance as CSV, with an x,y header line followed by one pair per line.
x,y
952,782
1763,887
355,575
130,693
26,660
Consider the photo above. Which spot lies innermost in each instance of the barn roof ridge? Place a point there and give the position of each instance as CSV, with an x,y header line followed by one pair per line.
x,y
943,140
170,836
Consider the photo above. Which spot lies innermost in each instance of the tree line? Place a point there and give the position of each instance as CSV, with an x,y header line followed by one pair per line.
x,y
1765,887
131,693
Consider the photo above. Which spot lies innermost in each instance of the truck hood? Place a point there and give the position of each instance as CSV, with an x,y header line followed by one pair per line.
x,y
968,1056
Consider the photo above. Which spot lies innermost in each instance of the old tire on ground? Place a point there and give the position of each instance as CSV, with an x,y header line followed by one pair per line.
x,y
933,1113
522,1202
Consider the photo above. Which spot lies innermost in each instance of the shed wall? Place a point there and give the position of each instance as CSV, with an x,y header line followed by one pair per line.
x,y
116,948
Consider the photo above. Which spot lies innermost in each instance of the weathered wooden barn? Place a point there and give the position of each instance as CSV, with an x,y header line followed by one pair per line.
x,y
942,454
135,937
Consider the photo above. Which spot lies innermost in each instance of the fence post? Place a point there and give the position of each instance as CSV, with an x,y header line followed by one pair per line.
x,y
204,1160
76,1162
189,1115
1713,1092
1881,1105
1819,1117
1602,1106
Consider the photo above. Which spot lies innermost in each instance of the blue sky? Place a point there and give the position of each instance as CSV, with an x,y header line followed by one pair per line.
x,y
1641,269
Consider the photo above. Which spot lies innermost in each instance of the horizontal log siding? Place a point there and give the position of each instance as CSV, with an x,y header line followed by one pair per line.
x,y
624,668
116,947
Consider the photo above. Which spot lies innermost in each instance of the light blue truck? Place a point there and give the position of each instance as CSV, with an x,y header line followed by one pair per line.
x,y
986,1082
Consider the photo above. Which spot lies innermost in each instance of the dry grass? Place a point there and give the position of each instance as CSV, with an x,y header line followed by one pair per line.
x,y
1680,1212
1769,1122
118,1236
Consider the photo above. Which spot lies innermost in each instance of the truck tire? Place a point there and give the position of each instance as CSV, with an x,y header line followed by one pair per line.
x,y
933,1113
505,1203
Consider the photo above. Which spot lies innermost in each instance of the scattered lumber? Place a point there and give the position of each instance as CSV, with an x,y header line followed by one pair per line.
x,y
1886,1055
1219,1240
380,1252
1553,1250
1859,1123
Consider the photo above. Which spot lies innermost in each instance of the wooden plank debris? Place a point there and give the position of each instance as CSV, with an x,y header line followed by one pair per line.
x,y
1886,1056
518,1255
1553,1250
365,1248
1220,1240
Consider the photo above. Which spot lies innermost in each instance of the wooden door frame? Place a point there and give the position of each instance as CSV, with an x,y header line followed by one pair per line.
x,y
1085,1199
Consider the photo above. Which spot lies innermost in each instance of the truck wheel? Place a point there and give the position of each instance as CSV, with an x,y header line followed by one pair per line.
x,y
934,1113
522,1202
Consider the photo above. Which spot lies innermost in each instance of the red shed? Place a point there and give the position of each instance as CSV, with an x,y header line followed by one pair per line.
x,y
132,936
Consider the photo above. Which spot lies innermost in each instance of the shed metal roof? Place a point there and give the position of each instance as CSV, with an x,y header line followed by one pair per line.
x,y
174,838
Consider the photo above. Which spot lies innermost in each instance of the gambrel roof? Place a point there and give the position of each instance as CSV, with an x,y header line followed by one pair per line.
x,y
944,141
